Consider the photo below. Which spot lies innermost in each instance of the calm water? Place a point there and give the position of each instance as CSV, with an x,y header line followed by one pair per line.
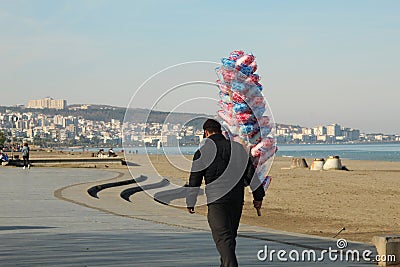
x,y
384,152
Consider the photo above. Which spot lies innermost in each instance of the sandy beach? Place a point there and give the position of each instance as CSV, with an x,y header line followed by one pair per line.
x,y
364,200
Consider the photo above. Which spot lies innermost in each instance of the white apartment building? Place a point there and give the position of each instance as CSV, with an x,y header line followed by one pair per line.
x,y
48,102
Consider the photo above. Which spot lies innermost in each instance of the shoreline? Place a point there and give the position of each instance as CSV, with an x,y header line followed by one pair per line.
x,y
347,143
389,152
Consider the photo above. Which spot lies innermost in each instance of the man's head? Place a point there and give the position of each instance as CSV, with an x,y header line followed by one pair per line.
x,y
211,127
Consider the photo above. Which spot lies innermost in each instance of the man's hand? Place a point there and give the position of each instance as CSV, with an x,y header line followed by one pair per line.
x,y
191,210
257,204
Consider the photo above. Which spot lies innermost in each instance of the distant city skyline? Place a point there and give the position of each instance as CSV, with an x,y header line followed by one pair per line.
x,y
90,126
321,62
43,102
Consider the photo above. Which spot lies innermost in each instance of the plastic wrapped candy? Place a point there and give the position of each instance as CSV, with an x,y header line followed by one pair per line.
x,y
245,69
254,66
243,118
245,59
251,91
252,138
233,130
226,62
236,54
266,182
261,173
266,156
227,107
225,97
226,117
228,76
240,77
241,108
224,114
226,89
263,121
252,97
265,131
258,112
256,101
259,86
255,138
263,146
246,129
238,98
253,78
236,86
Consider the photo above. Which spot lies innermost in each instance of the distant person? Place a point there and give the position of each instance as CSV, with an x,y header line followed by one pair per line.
x,y
3,157
25,155
137,151
100,153
111,152
226,168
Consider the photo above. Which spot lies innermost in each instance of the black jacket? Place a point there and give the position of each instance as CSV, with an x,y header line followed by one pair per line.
x,y
226,169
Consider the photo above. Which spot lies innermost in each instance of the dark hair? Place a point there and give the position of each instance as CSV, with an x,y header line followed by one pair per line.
x,y
212,126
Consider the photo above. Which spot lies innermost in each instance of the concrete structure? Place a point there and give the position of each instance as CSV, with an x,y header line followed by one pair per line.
x,y
388,248
317,164
333,163
298,163
48,102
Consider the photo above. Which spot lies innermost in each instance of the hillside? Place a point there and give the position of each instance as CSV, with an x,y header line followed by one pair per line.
x,y
106,113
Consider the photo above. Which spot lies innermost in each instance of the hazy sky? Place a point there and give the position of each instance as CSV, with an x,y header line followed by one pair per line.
x,y
321,61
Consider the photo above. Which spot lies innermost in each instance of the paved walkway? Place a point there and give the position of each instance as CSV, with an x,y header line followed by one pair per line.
x,y
39,228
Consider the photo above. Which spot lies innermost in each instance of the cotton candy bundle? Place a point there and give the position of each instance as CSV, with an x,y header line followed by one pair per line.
x,y
243,109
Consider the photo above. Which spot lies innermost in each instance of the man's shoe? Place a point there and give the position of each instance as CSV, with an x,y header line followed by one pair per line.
x,y
24,167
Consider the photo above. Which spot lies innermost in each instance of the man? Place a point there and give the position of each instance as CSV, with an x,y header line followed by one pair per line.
x,y
226,169
3,157
25,155
111,152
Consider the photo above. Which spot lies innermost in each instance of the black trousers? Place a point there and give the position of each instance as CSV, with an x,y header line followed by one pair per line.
x,y
224,219
26,161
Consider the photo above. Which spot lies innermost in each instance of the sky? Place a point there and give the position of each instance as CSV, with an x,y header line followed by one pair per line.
x,y
321,62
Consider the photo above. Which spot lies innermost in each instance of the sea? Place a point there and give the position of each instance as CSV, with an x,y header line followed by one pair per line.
x,y
375,151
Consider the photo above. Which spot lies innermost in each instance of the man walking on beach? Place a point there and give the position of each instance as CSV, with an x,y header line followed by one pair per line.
x,y
226,169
